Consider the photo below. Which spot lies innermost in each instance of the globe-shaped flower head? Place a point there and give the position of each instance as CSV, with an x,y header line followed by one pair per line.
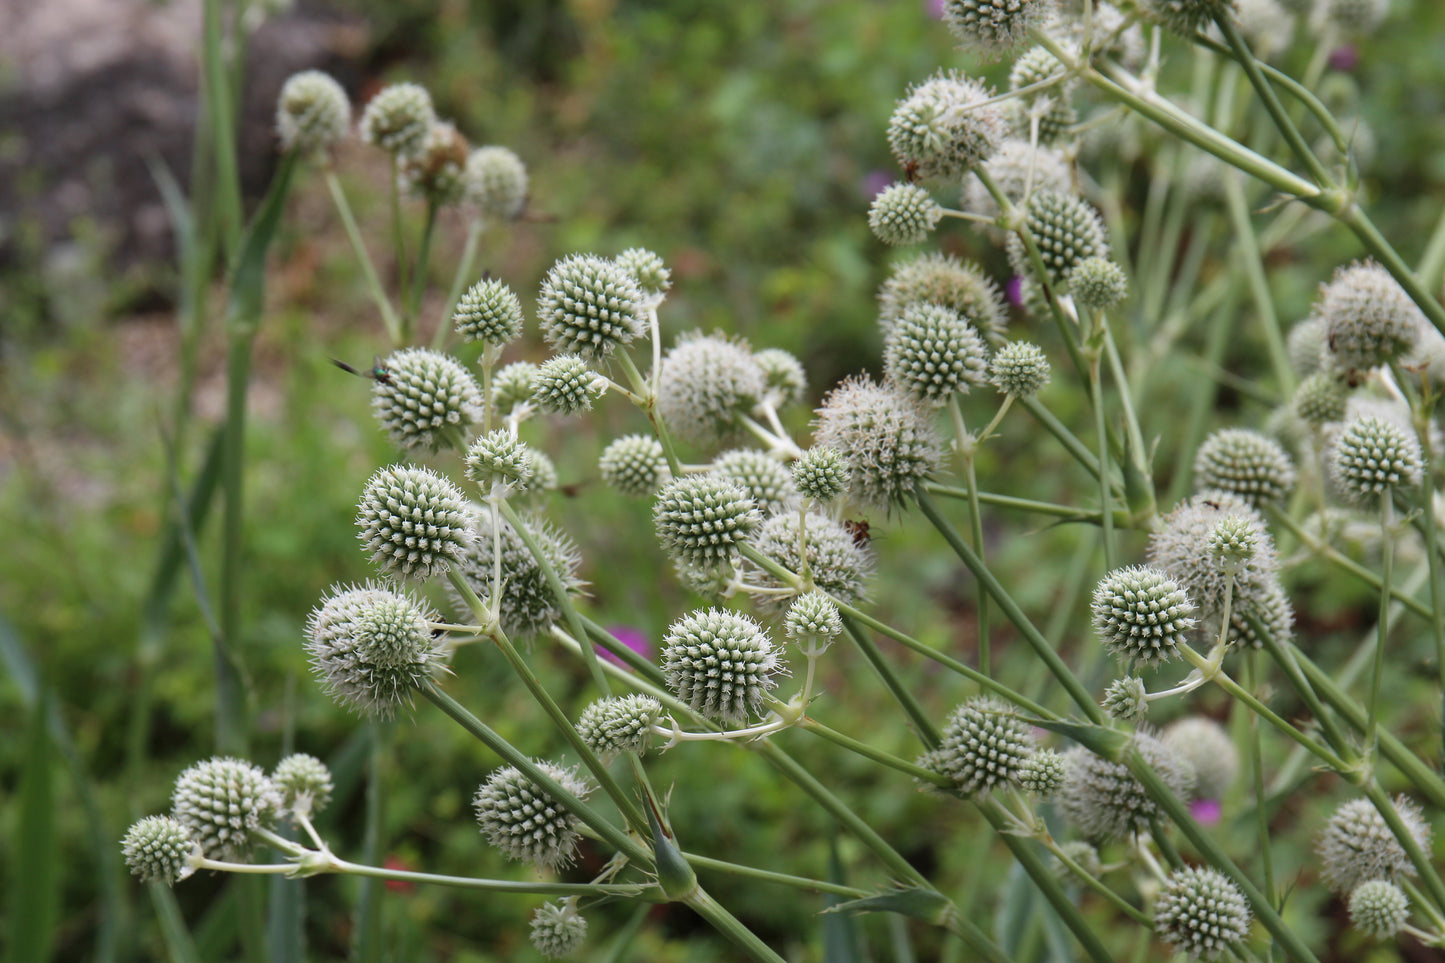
x,y
822,474
524,821
931,352
1368,318
436,171
647,267
945,126
1142,614
1206,747
1019,369
708,383
589,306
634,465
944,280
838,563
981,748
1104,800
565,385
886,434
425,400
1065,229
158,849
489,312
500,463
1187,17
701,520
1097,282
398,118
1246,463
619,724
1042,773
1357,844
783,374
1051,108
558,930
903,214
1379,909
1373,457
1202,912
529,607
813,620
994,27
1320,399
1126,699
312,112
722,664
372,648
413,521
766,479
304,783
495,182
221,802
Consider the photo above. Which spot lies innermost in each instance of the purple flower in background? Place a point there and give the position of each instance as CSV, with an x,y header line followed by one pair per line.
x,y
631,638
1206,812
874,182
1345,57
1015,290
934,8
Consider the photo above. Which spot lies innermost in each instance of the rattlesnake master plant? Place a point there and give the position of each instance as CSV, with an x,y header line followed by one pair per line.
x,y
312,113
523,821
771,528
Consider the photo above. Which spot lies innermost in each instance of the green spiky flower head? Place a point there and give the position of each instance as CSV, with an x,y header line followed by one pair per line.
x,y
708,383
981,748
413,522
372,647
1368,318
887,435
648,268
558,930
221,802
1357,844
398,118
1246,463
1374,456
495,181
312,113
304,782
1202,912
903,214
932,353
1019,369
1379,909
565,385
590,306
524,821
822,474
994,28
945,127
721,663
1067,231
766,479
424,399
944,280
158,849
701,519
634,465
619,724
489,312
1142,614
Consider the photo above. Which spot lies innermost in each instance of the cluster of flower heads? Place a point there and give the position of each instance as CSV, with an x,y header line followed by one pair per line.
x,y
219,808
433,159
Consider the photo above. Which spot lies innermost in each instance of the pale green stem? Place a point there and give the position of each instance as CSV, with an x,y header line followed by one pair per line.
x,y
612,835
1432,262
1066,512
1222,679
1106,511
1037,642
1253,262
1256,767
1267,96
1098,885
1329,554
966,447
419,274
398,243
767,876
368,269
465,267
1382,626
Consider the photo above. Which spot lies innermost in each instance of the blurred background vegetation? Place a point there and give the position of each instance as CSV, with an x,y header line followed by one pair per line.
x,y
742,141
